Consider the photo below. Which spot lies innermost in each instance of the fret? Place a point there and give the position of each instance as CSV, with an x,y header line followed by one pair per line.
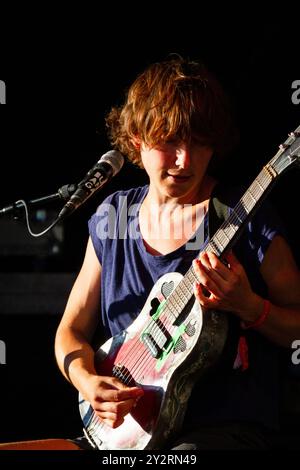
x,y
251,196
229,231
218,237
224,234
173,307
212,246
236,219
167,310
259,184
264,177
245,209
191,276
178,299
187,287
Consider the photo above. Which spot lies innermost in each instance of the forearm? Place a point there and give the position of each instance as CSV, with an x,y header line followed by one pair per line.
x,y
74,355
282,324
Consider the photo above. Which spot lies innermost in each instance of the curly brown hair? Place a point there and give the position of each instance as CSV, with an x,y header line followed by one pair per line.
x,y
175,99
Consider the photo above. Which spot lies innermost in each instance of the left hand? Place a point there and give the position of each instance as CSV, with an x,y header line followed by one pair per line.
x,y
228,286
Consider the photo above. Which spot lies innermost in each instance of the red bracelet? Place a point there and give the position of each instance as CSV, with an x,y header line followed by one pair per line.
x,y
260,319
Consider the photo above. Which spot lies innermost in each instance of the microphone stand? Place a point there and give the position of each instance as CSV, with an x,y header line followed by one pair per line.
x,y
65,192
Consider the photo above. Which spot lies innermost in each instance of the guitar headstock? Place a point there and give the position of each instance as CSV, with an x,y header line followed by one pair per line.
x,y
289,152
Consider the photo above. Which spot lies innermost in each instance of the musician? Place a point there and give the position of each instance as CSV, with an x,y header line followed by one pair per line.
x,y
176,124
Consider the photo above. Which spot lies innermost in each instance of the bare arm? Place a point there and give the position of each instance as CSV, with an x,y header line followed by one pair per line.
x,y
282,277
110,399
72,342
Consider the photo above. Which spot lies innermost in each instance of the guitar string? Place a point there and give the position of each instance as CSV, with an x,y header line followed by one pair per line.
x,y
140,362
166,322
141,346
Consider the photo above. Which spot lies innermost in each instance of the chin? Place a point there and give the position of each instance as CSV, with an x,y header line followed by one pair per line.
x,y
178,191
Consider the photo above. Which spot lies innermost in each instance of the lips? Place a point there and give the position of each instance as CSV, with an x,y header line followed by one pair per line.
x,y
178,178
178,175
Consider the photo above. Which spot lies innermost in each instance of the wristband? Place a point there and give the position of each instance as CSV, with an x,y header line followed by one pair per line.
x,y
260,320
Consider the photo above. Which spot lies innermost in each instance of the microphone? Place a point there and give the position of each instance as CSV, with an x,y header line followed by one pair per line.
x,y
108,166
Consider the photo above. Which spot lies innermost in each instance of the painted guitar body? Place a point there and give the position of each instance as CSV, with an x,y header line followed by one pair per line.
x,y
167,383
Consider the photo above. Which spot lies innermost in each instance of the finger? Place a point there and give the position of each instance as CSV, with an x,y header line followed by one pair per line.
x,y
117,395
216,266
120,408
112,382
111,420
207,279
208,302
211,265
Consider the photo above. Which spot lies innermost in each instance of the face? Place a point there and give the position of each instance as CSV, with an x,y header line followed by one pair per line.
x,y
176,170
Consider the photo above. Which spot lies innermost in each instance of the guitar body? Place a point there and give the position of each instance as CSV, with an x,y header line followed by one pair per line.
x,y
167,373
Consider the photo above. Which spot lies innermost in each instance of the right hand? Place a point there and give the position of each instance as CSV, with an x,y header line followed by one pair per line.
x,y
111,399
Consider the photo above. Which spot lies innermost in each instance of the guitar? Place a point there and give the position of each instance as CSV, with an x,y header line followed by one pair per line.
x,y
172,343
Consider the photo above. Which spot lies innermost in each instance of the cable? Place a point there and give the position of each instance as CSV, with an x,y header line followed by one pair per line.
x,y
21,201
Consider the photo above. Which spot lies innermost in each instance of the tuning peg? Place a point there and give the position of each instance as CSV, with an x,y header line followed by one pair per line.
x,y
283,146
294,135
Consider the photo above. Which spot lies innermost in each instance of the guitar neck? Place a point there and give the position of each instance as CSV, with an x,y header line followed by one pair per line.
x,y
231,229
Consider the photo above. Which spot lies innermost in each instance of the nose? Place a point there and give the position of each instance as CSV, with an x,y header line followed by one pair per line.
x,y
183,157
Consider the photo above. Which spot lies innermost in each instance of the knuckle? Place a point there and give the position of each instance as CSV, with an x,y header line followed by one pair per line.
x,y
116,395
94,403
206,282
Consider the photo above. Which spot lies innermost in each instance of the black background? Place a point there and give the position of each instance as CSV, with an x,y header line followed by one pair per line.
x,y
58,92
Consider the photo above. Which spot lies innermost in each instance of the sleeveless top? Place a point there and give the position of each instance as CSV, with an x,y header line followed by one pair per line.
x,y
128,275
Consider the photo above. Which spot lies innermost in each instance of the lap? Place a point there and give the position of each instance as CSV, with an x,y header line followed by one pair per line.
x,y
229,436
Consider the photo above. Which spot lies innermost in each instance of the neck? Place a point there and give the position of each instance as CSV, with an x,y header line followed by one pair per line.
x,y
200,195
